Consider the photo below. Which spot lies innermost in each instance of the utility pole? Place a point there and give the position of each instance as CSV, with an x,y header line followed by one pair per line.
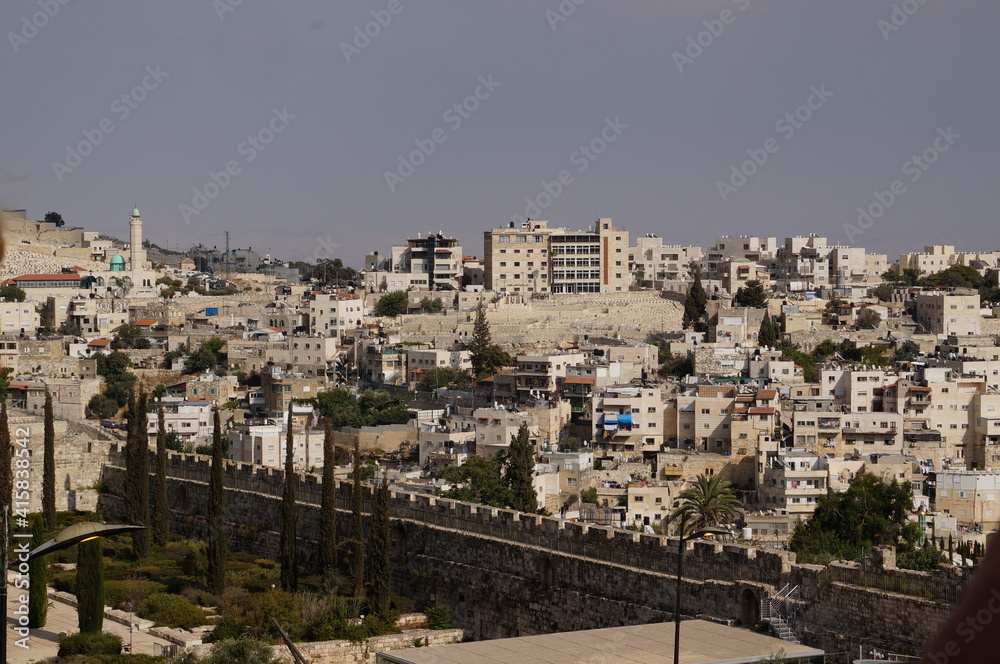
x,y
225,259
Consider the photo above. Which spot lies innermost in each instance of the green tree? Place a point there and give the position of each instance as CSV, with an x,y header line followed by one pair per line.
x,y
12,293
809,370
924,559
907,351
710,503
38,601
49,465
956,276
54,218
869,319
884,292
378,567
429,306
493,358
486,357
357,528
328,508
521,471
289,552
90,585
696,302
210,356
870,513
243,650
753,295
768,335
128,336
391,305
137,471
161,509
479,480
217,543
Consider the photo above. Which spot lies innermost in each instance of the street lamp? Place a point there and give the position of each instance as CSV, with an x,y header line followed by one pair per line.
x,y
682,540
80,532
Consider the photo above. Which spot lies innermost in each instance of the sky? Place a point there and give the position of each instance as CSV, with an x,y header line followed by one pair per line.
x,y
331,129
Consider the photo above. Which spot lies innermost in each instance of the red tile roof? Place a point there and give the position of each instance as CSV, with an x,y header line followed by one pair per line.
x,y
45,277
100,342
761,411
579,380
145,322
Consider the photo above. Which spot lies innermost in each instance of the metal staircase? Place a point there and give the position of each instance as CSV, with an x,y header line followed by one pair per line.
x,y
778,612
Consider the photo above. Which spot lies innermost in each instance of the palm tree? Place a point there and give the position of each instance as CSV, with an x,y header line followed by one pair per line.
x,y
710,503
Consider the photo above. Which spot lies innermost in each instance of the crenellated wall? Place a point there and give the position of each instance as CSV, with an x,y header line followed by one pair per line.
x,y
506,573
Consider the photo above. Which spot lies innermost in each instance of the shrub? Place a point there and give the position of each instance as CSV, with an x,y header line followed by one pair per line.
x,y
91,643
245,651
439,617
172,611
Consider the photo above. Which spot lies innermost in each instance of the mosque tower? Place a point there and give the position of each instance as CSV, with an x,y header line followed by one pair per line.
x,y
137,255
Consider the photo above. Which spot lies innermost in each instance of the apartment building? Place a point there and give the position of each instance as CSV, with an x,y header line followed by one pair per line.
x,y
744,247
970,496
652,263
18,318
537,375
192,421
704,417
281,388
266,445
426,263
794,481
496,426
97,318
939,257
312,356
335,315
986,410
628,419
428,359
533,258
648,504
949,313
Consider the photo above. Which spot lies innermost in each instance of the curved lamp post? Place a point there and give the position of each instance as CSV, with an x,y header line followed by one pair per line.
x,y
80,532
682,541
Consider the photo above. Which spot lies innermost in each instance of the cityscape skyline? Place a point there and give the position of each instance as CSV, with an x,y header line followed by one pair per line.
x,y
687,120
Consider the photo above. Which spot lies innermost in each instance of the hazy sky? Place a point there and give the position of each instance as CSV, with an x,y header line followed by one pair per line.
x,y
340,109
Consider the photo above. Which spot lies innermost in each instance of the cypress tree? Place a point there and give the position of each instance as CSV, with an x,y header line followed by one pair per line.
x,y
90,585
161,510
49,465
357,529
521,470
696,303
216,577
378,565
768,335
141,538
328,508
6,456
481,340
289,554
38,601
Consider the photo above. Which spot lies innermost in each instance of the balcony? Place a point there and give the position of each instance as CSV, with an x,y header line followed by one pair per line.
x,y
871,430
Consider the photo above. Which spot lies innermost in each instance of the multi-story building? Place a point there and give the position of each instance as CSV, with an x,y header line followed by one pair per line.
x,y
335,315
704,417
97,318
628,419
265,445
939,257
18,318
537,375
970,496
652,263
425,263
382,364
743,247
427,359
312,356
534,258
496,426
986,410
949,313
190,420
281,388
794,481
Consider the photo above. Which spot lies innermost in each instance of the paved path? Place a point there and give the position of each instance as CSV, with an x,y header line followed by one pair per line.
x,y
44,643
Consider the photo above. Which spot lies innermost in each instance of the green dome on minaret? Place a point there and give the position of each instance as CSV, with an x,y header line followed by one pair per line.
x,y
135,212
117,263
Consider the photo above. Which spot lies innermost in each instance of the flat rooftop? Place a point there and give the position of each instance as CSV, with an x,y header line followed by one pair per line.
x,y
702,642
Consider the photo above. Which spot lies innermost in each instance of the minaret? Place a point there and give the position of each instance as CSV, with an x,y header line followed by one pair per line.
x,y
137,255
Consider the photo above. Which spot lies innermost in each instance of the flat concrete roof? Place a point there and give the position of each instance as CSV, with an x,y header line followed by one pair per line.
x,y
702,642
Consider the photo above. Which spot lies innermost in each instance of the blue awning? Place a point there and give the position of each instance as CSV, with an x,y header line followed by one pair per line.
x,y
625,419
